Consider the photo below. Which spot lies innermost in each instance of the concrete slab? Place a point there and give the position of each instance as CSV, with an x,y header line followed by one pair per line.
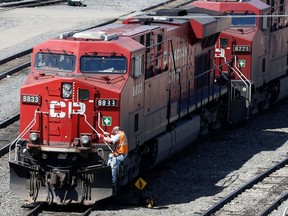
x,y
17,26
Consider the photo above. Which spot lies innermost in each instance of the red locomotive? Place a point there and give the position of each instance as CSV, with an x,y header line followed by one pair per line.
x,y
256,44
154,75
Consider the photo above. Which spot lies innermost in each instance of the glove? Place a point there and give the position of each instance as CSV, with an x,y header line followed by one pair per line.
x,y
100,135
107,139
106,134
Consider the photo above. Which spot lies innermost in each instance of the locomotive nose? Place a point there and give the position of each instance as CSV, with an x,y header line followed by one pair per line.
x,y
66,119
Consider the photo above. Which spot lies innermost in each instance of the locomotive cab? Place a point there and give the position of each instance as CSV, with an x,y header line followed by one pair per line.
x,y
75,82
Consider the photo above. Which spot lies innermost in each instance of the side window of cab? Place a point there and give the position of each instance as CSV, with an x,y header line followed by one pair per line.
x,y
137,67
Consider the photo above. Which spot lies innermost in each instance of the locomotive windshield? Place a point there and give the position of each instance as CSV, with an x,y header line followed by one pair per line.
x,y
103,64
55,62
243,20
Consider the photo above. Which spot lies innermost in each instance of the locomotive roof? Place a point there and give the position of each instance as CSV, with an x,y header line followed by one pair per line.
x,y
202,22
226,6
124,30
123,43
259,4
192,10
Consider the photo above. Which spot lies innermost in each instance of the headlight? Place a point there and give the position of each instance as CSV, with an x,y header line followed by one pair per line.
x,y
67,90
33,137
85,140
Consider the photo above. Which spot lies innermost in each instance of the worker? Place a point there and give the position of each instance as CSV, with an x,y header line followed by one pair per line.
x,y
120,152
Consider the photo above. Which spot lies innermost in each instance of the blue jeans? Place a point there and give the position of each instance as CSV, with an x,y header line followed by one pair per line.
x,y
114,162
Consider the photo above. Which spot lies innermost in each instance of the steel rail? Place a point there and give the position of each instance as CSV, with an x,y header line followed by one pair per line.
x,y
5,149
88,211
31,3
37,209
246,186
40,208
15,70
10,120
5,1
43,3
12,57
18,3
274,205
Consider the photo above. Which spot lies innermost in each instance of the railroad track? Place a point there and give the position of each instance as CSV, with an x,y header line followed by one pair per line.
x,y
7,137
41,208
38,3
32,3
15,63
260,196
9,66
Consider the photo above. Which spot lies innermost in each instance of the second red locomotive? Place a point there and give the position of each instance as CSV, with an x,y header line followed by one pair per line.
x,y
256,44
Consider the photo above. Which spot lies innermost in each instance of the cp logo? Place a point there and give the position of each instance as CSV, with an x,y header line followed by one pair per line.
x,y
58,108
